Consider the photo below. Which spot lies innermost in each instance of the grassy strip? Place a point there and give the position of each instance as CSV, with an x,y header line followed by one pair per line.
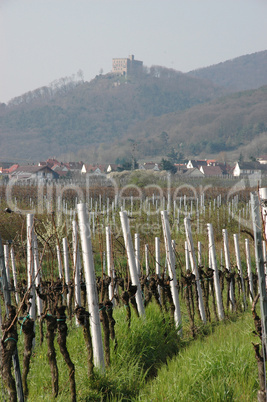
x,y
141,350
219,367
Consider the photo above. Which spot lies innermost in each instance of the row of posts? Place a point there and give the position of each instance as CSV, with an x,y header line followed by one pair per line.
x,y
33,270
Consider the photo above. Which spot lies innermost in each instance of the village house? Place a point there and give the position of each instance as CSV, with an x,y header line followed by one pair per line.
x,y
247,168
193,172
149,166
262,159
209,171
96,169
191,164
112,167
34,172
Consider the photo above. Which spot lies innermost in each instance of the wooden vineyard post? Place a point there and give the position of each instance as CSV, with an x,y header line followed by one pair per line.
x,y
257,228
7,300
171,269
30,264
131,260
239,266
194,266
250,278
228,265
91,289
110,266
216,273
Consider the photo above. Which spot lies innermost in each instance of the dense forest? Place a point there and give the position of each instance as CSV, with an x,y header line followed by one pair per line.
x,y
158,113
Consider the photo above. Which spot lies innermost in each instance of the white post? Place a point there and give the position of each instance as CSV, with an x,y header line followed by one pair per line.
x,y
6,256
264,256
199,253
30,266
157,256
216,273
59,261
228,264
14,272
187,265
76,263
66,264
146,259
131,260
239,266
110,266
250,278
137,252
91,289
171,269
37,274
194,266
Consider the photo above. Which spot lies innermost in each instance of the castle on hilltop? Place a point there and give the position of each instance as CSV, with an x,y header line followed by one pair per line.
x,y
126,66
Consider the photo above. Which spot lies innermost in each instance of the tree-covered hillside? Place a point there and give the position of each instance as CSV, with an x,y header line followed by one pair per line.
x,y
75,115
241,73
158,113
226,124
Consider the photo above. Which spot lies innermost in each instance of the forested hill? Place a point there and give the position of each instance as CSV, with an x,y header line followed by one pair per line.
x,y
159,111
230,125
241,73
74,115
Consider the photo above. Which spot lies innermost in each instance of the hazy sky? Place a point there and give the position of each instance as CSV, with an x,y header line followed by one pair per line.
x,y
43,40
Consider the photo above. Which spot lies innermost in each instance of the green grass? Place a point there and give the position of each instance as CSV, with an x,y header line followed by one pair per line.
x,y
151,363
142,349
219,367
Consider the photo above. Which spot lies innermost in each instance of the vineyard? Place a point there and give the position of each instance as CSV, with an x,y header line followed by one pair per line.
x,y
101,287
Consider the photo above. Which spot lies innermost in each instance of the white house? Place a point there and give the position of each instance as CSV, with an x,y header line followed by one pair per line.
x,y
247,168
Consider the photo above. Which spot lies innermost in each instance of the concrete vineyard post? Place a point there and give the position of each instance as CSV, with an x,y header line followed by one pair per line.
x,y
216,273
171,269
6,255
91,289
76,263
264,256
239,266
157,256
14,272
257,228
194,266
7,300
228,264
250,278
199,253
59,261
131,260
37,274
66,264
146,259
110,266
187,264
30,265
137,252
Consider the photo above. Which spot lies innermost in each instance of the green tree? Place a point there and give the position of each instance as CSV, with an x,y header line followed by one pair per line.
x,y
167,165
